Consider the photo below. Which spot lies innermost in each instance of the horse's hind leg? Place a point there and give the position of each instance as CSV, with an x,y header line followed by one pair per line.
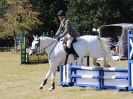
x,y
95,63
106,63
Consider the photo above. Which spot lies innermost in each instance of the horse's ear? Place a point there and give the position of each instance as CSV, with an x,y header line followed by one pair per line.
x,y
37,37
34,37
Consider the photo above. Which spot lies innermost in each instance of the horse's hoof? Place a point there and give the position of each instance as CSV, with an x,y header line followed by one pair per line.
x,y
51,89
41,88
98,64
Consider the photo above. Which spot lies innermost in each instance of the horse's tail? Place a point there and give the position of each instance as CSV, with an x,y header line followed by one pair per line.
x,y
104,47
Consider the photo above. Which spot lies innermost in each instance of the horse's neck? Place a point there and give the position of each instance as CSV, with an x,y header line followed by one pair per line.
x,y
50,44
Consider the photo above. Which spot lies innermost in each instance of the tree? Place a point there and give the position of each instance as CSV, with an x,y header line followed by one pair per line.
x,y
48,10
18,17
93,13
3,8
40,16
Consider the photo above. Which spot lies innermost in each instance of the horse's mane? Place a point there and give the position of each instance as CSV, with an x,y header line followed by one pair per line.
x,y
47,38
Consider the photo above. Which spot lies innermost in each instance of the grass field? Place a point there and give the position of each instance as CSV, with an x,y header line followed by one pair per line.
x,y
22,82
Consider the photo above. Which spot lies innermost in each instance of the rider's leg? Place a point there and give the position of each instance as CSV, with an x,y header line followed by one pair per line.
x,y
65,39
69,44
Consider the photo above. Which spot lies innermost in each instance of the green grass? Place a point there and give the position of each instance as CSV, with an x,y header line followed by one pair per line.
x,y
22,82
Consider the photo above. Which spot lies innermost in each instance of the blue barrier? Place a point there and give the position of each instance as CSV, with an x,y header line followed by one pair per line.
x,y
130,60
99,77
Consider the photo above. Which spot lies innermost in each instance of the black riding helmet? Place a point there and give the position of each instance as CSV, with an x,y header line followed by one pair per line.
x,y
61,13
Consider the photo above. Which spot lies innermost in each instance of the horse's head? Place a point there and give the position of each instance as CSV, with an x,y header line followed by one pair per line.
x,y
41,42
34,45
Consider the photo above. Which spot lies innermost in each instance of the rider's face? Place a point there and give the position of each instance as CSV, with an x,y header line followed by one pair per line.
x,y
61,18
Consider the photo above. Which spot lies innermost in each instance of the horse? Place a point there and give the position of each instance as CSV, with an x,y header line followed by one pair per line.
x,y
88,45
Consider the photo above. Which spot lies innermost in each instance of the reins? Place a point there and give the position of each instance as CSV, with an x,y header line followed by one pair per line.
x,y
47,47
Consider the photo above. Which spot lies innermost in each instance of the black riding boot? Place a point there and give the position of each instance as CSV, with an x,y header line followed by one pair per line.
x,y
70,50
74,52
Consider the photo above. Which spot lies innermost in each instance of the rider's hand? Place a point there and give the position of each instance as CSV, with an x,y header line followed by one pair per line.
x,y
54,36
58,38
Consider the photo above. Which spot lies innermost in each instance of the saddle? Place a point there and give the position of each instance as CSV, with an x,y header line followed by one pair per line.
x,y
71,50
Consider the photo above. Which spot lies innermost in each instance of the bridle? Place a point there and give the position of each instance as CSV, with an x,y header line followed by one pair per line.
x,y
38,46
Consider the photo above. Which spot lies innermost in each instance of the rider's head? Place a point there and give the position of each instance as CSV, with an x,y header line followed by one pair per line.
x,y
61,15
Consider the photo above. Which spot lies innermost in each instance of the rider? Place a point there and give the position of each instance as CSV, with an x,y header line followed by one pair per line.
x,y
66,31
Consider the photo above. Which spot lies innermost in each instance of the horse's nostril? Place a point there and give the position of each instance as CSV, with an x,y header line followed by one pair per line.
x,y
30,54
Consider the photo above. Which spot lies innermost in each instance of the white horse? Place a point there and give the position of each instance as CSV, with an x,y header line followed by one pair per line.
x,y
88,45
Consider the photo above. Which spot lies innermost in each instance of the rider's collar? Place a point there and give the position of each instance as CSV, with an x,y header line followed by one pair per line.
x,y
63,20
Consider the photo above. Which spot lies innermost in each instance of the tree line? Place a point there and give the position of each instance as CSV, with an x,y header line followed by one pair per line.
x,y
38,16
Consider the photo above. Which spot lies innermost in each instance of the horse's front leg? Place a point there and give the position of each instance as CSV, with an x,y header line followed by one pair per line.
x,y
53,81
46,78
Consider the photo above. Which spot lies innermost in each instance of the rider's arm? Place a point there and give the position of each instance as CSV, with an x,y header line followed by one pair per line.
x,y
67,29
58,31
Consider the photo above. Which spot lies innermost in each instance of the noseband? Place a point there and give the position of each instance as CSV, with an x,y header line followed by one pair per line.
x,y
38,46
